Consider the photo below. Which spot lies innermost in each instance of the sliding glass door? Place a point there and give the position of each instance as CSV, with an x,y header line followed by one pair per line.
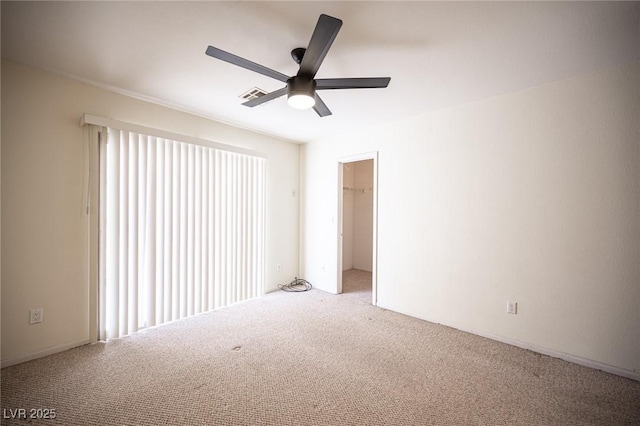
x,y
182,230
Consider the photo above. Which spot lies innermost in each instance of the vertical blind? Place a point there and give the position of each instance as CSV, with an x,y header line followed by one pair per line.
x,y
182,230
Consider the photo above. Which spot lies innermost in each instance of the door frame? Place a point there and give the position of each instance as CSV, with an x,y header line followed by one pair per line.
x,y
374,247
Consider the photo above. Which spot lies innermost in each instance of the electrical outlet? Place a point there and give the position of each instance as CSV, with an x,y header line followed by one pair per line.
x,y
512,307
278,267
35,316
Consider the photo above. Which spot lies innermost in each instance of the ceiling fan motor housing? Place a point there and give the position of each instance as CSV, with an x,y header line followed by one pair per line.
x,y
298,85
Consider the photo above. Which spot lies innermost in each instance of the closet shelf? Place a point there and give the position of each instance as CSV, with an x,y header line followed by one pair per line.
x,y
346,188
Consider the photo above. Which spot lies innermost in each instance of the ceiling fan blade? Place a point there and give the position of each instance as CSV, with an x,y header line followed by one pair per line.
x,y
214,52
266,98
321,40
320,107
352,83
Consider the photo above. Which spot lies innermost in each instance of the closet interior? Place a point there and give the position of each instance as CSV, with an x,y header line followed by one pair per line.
x,y
357,226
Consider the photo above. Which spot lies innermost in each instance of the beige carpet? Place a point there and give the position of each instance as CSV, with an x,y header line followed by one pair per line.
x,y
314,359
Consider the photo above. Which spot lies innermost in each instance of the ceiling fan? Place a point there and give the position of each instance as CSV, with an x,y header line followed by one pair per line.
x,y
301,88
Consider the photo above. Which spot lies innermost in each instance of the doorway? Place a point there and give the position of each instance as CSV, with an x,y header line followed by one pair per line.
x,y
357,226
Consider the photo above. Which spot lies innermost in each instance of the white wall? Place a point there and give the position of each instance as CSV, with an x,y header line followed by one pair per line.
x,y
44,228
531,196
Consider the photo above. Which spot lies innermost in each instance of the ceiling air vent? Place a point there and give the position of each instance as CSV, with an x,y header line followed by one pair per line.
x,y
252,94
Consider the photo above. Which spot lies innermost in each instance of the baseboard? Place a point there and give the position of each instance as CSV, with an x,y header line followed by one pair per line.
x,y
633,375
43,353
62,348
630,374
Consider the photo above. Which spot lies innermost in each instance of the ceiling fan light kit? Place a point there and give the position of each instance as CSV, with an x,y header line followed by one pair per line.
x,y
301,101
301,92
301,88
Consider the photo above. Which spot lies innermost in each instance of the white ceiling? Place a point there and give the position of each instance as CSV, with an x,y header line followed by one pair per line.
x,y
438,55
